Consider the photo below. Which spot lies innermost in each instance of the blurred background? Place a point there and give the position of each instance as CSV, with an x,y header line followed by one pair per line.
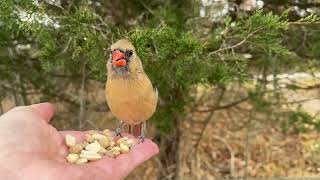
x,y
238,80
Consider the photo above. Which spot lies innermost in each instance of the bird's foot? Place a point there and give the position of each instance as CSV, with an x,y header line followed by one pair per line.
x,y
118,132
141,138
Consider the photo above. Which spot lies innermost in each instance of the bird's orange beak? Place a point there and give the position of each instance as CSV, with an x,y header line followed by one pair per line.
x,y
118,59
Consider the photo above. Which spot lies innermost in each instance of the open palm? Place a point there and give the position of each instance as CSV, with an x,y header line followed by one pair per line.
x,y
30,148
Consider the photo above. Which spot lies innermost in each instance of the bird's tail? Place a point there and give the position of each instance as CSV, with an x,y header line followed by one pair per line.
x,y
137,130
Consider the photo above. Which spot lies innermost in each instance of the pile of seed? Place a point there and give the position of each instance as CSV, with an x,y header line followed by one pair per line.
x,y
95,146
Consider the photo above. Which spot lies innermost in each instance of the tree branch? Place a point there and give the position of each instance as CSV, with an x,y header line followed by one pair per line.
x,y
235,45
232,154
224,106
81,98
209,117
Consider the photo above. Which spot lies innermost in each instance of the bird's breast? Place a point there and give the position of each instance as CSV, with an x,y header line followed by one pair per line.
x,y
132,100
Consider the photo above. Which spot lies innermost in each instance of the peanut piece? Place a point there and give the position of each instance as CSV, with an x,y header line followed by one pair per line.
x,y
90,155
81,161
112,143
88,138
95,147
72,158
107,132
115,153
102,151
122,140
115,148
91,132
98,136
105,142
76,149
124,148
109,153
84,144
70,140
130,143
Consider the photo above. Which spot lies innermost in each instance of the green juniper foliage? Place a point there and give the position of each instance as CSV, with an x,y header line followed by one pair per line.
x,y
298,121
173,62
65,38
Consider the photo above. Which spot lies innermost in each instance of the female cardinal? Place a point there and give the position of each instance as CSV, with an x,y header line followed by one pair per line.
x,y
129,92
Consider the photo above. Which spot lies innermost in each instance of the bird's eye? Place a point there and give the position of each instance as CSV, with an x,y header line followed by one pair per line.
x,y
130,52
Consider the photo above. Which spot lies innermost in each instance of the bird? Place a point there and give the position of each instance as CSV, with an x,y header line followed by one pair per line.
x,y
130,95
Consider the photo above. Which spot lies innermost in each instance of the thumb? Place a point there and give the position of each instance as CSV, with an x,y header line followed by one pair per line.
x,y
45,110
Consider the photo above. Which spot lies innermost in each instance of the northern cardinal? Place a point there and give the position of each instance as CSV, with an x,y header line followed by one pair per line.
x,y
129,92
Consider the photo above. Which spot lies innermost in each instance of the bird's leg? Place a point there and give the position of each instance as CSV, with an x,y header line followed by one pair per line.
x,y
118,130
130,129
142,132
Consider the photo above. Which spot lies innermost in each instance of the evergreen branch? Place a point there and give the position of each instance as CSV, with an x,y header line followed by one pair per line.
x,y
302,23
55,5
162,22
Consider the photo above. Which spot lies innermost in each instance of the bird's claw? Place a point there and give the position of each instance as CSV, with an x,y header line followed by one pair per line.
x,y
141,138
118,132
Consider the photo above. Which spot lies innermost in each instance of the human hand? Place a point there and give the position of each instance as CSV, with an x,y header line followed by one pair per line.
x,y
30,148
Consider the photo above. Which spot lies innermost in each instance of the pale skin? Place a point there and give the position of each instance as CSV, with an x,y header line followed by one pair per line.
x,y
30,148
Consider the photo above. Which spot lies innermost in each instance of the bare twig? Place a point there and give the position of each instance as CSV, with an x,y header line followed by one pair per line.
x,y
3,87
224,106
81,98
18,86
295,102
247,153
102,21
235,45
232,154
147,8
209,117
100,30
65,49
1,108
92,124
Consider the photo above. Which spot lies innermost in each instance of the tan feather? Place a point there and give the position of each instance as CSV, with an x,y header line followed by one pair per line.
x,y
131,97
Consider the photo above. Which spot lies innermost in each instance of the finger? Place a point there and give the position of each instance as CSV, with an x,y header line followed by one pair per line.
x,y
45,110
138,154
125,163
